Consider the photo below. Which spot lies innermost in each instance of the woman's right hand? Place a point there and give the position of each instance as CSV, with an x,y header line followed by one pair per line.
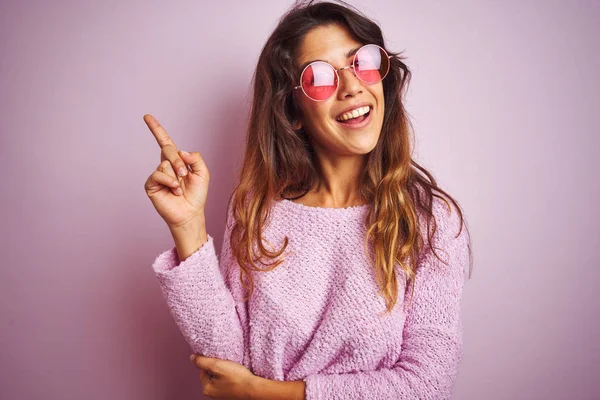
x,y
178,199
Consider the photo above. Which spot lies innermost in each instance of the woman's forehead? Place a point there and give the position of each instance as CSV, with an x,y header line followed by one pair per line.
x,y
331,43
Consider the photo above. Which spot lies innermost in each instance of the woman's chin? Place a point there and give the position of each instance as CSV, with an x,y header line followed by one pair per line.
x,y
363,144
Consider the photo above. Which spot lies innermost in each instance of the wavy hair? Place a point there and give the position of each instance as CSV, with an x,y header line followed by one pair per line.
x,y
279,160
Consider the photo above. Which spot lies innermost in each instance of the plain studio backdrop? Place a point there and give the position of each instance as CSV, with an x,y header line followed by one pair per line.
x,y
504,101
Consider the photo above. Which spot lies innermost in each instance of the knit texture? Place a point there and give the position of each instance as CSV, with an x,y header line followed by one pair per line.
x,y
317,317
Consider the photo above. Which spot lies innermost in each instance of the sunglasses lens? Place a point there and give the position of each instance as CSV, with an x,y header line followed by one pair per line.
x,y
319,81
371,63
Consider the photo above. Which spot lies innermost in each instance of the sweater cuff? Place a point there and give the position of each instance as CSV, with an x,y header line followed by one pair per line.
x,y
168,260
316,388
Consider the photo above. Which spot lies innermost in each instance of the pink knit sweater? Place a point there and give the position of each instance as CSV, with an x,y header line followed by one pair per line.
x,y
317,316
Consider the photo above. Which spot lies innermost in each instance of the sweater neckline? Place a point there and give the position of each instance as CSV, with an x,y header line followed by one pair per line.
x,y
350,210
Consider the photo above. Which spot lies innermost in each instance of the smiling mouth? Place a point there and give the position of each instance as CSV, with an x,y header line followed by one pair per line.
x,y
355,117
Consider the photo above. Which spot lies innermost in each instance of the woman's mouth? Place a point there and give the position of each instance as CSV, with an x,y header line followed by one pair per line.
x,y
356,119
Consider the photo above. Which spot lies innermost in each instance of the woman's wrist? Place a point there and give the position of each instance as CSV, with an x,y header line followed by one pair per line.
x,y
189,238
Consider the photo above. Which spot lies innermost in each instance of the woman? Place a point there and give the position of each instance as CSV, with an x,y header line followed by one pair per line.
x,y
341,270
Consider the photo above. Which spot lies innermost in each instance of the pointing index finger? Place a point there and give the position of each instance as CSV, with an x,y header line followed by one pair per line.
x,y
161,136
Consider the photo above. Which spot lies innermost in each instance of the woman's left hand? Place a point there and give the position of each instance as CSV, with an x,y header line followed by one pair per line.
x,y
223,379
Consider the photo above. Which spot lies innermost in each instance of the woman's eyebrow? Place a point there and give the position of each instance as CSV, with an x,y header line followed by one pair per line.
x,y
348,55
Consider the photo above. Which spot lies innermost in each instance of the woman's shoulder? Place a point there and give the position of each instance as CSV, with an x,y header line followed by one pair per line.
x,y
449,219
451,237
447,214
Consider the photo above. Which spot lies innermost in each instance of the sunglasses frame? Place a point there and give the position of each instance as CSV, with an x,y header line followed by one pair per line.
x,y
343,68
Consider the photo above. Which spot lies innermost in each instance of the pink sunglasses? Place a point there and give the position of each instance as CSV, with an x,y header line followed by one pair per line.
x,y
319,79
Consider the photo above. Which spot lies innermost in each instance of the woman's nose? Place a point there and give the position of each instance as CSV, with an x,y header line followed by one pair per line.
x,y
349,83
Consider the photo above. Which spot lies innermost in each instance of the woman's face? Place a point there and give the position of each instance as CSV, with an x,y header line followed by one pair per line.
x,y
320,118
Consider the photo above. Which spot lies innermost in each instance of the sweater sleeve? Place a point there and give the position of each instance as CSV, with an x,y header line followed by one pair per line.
x,y
432,336
205,297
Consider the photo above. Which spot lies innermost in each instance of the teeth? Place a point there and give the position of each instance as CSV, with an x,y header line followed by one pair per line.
x,y
354,113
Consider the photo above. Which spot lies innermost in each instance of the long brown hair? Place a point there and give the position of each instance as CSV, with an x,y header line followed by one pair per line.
x,y
279,160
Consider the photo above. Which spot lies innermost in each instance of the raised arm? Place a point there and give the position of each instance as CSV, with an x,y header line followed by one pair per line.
x,y
204,301
432,336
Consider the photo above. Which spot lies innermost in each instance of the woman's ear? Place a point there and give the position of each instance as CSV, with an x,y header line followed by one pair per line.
x,y
297,125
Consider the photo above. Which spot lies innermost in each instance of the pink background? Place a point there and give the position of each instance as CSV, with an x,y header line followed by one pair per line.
x,y
504,100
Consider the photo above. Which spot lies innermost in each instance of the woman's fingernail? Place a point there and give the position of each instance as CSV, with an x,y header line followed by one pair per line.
x,y
185,152
182,171
192,357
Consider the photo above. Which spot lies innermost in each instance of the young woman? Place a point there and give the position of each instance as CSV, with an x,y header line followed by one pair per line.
x,y
341,271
